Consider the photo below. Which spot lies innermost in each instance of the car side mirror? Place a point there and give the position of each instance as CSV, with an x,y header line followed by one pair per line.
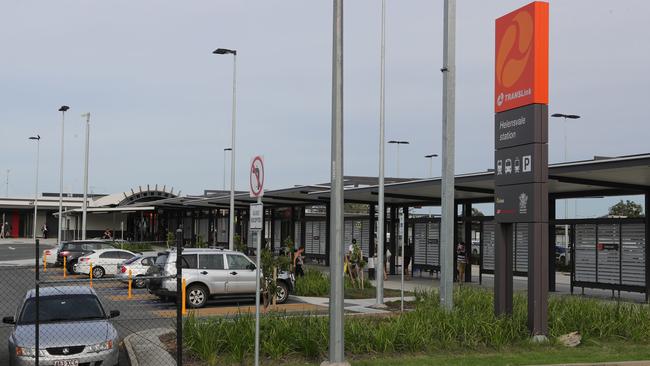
x,y
8,320
114,314
252,267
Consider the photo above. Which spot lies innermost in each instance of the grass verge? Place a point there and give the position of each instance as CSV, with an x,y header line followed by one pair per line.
x,y
470,327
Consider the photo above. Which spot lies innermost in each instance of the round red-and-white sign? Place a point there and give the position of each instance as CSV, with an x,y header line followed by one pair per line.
x,y
256,177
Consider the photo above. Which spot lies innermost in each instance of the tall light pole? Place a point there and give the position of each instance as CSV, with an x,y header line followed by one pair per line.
x,y
379,273
224,166
336,329
566,207
430,157
231,231
36,138
85,203
63,109
448,156
7,183
396,142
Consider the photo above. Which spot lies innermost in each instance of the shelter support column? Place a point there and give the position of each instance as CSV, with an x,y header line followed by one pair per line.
x,y
503,269
467,219
371,239
551,245
328,239
393,239
647,245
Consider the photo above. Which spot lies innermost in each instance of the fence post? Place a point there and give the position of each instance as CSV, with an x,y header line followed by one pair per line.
x,y
37,294
179,302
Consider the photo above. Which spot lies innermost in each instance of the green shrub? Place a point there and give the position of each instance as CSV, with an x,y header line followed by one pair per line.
x,y
135,247
471,325
313,283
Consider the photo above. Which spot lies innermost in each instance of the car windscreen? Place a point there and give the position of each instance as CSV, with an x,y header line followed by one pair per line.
x,y
129,261
161,260
62,308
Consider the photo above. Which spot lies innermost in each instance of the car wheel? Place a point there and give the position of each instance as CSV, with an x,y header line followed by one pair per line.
x,y
139,282
69,266
197,296
98,272
283,293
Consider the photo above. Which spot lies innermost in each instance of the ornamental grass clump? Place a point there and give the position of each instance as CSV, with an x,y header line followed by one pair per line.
x,y
429,328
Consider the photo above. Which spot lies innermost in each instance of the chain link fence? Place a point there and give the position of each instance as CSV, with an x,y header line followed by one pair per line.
x,y
54,318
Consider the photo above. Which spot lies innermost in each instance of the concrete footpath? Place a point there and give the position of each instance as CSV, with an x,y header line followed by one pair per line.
x,y
145,348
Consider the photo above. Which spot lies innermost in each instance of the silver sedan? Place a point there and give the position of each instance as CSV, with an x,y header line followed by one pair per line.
x,y
74,329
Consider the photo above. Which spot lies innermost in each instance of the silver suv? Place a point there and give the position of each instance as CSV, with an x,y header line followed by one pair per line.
x,y
211,273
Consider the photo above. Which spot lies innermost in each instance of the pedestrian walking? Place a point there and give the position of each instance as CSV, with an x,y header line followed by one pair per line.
x,y
299,262
461,261
387,261
44,231
2,230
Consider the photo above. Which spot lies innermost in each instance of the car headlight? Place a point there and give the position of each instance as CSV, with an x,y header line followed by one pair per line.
x,y
99,347
30,352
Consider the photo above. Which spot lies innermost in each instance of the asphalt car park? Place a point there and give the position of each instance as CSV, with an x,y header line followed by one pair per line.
x,y
140,312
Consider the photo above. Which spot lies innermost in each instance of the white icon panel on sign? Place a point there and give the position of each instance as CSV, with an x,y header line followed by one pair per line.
x,y
517,165
527,164
499,167
508,168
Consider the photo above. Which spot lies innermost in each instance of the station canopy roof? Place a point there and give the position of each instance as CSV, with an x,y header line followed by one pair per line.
x,y
602,176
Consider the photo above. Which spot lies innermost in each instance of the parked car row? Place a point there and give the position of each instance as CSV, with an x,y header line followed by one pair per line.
x,y
208,273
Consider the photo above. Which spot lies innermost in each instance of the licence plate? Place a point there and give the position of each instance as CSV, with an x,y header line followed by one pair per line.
x,y
66,363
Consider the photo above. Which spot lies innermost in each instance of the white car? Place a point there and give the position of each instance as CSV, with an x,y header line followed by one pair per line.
x,y
50,255
138,266
104,262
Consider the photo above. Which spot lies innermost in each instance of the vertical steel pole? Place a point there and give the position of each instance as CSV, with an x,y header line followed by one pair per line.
x,y
37,331
179,302
401,243
257,292
379,266
38,153
224,169
448,154
231,231
7,184
337,343
85,202
397,159
61,179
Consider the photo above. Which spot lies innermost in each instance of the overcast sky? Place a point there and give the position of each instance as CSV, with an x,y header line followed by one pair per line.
x,y
160,101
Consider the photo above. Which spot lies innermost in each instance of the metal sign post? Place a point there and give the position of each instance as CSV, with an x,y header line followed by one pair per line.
x,y
256,223
401,243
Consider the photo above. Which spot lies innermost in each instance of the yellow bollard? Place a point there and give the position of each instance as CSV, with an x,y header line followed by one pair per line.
x,y
184,310
44,262
129,283
91,274
65,270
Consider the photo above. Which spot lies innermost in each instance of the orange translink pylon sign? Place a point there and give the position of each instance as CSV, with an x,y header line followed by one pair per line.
x,y
521,64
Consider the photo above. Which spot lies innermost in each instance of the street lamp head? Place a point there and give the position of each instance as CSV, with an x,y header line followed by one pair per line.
x,y
431,156
227,149
562,115
224,51
397,142
37,137
64,108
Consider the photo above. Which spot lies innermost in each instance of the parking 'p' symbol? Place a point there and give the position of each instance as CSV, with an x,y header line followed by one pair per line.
x,y
527,163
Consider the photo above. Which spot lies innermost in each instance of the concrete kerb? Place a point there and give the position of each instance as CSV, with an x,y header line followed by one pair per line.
x,y
140,346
